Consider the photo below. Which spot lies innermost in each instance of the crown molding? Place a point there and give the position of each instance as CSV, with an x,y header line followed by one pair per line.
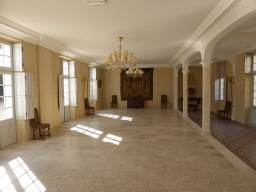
x,y
153,66
17,31
216,12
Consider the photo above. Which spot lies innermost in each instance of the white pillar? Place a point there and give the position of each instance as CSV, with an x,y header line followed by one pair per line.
x,y
175,88
185,91
206,96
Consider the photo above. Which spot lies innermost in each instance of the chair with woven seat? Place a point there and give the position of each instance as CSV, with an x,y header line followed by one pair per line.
x,y
163,101
36,124
228,106
114,101
89,110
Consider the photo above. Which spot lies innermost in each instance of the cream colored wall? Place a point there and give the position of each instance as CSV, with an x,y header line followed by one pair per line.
x,y
111,86
99,103
215,73
82,75
30,56
162,84
243,91
56,114
45,66
197,72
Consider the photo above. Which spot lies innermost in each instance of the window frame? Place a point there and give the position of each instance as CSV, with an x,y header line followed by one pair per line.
x,y
218,91
93,84
7,71
248,67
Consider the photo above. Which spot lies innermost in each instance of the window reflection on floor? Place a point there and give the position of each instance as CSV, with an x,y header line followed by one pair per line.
x,y
5,181
25,176
112,139
87,131
115,116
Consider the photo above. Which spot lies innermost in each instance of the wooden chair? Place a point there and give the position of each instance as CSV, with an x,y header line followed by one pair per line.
x,y
89,110
228,106
114,101
36,124
163,101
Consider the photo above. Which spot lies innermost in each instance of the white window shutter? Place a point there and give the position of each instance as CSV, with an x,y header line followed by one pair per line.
x,y
72,71
61,92
61,66
29,96
18,57
73,91
24,104
20,96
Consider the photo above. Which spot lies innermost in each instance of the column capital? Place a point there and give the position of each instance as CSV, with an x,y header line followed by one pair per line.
x,y
206,63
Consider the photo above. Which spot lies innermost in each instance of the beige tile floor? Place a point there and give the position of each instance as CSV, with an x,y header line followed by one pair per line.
x,y
159,151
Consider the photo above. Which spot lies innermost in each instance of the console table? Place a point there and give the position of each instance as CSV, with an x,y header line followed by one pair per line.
x,y
135,103
193,104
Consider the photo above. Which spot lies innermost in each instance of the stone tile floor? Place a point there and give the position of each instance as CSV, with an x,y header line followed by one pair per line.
x,y
124,150
237,137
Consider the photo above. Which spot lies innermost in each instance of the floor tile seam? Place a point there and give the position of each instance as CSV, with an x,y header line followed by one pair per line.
x,y
245,166
243,145
248,153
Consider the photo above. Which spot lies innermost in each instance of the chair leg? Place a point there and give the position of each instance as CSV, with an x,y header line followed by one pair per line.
x,y
49,132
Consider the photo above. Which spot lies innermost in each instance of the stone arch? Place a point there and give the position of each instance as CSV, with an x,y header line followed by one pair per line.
x,y
220,30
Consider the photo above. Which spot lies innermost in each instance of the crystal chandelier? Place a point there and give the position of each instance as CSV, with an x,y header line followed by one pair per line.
x,y
118,61
134,72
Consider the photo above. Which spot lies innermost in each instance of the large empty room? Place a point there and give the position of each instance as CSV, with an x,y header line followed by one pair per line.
x,y
128,96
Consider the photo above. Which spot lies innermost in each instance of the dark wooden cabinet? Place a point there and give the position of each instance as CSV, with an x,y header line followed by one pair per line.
x,y
135,103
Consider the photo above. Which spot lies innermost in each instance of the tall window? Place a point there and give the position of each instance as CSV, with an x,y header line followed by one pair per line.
x,y
254,81
219,89
6,82
65,67
248,63
254,62
93,85
68,84
254,91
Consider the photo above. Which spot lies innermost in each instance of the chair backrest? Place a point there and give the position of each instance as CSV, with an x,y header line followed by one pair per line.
x,y
114,98
87,103
163,98
228,106
36,120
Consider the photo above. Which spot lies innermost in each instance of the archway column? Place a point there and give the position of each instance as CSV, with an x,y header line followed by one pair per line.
x,y
206,96
185,91
175,88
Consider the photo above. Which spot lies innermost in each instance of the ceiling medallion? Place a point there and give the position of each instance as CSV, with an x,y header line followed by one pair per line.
x,y
118,61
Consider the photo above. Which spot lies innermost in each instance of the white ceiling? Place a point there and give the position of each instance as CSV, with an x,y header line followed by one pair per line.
x,y
241,39
153,30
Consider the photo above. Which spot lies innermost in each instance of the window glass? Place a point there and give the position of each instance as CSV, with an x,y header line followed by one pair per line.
x,y
247,63
254,90
7,50
254,63
6,83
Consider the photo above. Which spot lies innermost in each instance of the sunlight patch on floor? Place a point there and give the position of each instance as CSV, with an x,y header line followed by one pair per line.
x,y
109,115
87,131
112,139
26,177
